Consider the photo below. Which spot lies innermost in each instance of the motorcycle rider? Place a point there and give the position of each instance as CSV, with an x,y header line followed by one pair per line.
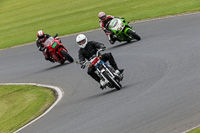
x,y
87,50
41,38
103,20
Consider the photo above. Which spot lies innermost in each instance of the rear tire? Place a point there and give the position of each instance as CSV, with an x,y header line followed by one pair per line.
x,y
67,56
133,35
111,80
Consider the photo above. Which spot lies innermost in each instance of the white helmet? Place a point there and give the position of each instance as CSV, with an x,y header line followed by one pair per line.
x,y
81,39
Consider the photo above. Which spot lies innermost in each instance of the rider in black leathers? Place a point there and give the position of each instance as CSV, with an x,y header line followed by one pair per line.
x,y
87,50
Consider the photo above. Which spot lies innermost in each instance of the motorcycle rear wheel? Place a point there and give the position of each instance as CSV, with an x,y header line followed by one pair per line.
x,y
111,80
67,56
133,35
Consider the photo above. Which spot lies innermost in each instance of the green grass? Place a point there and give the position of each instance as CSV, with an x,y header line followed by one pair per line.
x,y
21,19
197,130
21,104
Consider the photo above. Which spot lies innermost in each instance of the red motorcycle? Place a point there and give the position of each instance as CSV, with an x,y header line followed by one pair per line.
x,y
57,51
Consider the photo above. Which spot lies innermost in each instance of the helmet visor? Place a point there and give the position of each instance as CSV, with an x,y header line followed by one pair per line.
x,y
40,37
81,42
103,17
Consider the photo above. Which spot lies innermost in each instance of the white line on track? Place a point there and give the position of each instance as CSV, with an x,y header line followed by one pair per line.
x,y
59,94
191,129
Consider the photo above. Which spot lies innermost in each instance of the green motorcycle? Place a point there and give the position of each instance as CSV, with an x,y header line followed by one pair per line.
x,y
122,30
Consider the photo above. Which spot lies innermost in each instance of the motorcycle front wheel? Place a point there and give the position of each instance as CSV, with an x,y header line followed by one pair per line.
x,y
67,56
111,80
133,34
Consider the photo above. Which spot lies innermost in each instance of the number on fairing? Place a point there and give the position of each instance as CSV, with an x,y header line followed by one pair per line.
x,y
113,23
54,44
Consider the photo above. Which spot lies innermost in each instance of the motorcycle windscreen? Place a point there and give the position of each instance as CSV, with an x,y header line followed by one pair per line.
x,y
113,23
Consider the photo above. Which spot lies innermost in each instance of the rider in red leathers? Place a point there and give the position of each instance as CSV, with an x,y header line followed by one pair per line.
x,y
103,20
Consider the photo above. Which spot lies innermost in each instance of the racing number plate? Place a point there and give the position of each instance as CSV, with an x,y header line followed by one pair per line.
x,y
54,44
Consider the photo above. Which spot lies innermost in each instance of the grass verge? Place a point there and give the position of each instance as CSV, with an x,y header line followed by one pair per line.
x,y
20,20
197,130
19,104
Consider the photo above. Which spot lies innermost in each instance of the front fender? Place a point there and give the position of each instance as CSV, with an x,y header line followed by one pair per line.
x,y
126,29
60,50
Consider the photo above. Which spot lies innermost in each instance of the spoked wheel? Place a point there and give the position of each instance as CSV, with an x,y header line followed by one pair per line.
x,y
133,35
111,80
67,56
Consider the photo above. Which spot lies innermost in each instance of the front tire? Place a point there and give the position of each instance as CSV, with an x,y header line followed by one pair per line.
x,y
111,80
66,55
133,34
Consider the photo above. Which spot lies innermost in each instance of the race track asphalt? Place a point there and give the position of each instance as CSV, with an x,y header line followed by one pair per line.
x,y
161,86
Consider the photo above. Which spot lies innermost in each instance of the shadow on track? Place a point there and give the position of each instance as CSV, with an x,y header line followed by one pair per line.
x,y
112,90
57,66
99,95
53,67
122,44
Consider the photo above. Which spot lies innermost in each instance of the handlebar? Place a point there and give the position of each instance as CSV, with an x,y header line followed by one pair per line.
x,y
99,50
55,35
88,61
97,54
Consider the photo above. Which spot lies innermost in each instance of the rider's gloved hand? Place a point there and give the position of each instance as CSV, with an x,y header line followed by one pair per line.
x,y
82,66
57,38
42,48
103,28
103,48
82,63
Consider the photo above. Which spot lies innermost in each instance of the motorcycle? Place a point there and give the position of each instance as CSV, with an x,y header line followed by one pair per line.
x,y
105,72
122,30
57,51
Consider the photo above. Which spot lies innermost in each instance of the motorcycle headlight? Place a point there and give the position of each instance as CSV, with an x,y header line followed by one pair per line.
x,y
121,27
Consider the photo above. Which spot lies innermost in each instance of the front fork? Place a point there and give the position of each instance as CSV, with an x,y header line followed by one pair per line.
x,y
108,70
59,49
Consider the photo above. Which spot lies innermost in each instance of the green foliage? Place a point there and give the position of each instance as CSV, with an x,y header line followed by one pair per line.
x,y
20,104
21,19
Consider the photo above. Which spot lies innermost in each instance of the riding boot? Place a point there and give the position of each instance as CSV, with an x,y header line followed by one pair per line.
x,y
91,72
